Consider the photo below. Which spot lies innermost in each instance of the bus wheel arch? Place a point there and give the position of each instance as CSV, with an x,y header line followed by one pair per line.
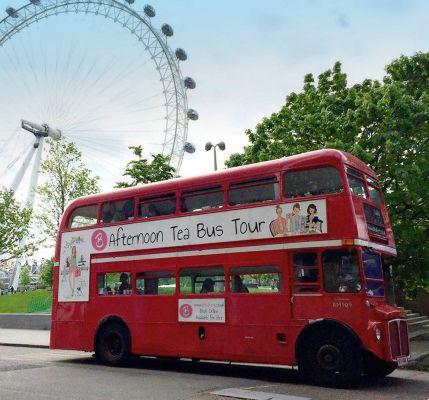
x,y
112,341
330,353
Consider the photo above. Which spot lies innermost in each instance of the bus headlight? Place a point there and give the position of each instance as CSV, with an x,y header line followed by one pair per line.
x,y
378,334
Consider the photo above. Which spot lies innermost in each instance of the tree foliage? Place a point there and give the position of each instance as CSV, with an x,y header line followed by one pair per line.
x,y
14,227
47,272
24,277
383,123
66,178
143,171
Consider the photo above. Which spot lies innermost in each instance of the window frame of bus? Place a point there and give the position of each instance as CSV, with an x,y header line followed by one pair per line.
x,y
373,184
207,189
232,273
318,285
199,294
316,196
69,228
357,175
172,274
255,181
154,196
125,221
104,273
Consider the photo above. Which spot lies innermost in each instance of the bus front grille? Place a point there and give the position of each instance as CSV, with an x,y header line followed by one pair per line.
x,y
398,338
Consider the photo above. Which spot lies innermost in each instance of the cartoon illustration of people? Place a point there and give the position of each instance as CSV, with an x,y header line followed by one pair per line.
x,y
296,221
278,227
313,223
74,270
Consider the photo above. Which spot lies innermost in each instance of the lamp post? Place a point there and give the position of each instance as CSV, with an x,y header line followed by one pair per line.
x,y
210,145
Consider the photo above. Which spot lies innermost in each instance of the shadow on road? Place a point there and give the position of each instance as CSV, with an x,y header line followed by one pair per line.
x,y
270,374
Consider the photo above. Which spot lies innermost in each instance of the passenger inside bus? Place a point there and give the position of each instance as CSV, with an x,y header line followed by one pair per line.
x,y
238,285
208,286
125,284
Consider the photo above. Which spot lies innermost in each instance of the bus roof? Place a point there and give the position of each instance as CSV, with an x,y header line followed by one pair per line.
x,y
309,159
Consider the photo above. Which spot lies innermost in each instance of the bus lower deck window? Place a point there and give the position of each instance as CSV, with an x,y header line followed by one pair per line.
x,y
306,271
312,182
341,271
202,280
156,283
261,279
114,283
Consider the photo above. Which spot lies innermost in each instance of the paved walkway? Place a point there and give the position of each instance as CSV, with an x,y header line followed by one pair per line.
x,y
24,337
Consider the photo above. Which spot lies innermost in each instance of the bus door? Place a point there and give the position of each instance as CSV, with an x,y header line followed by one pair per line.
x,y
259,313
306,284
201,308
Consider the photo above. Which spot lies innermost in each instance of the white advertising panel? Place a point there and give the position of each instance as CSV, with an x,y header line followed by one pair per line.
x,y
201,310
284,220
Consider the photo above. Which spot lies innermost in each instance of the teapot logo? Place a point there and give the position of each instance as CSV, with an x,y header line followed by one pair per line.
x,y
99,240
185,310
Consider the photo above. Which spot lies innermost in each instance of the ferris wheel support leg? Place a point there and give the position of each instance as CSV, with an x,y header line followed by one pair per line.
x,y
30,203
22,169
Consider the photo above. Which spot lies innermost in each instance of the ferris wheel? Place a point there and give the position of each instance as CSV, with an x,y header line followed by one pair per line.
x,y
106,99
68,68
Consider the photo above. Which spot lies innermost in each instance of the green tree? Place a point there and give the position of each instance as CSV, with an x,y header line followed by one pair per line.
x,y
386,124
24,277
141,171
14,227
66,178
47,272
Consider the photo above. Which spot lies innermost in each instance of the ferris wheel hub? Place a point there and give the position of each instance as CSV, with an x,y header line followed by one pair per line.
x,y
41,131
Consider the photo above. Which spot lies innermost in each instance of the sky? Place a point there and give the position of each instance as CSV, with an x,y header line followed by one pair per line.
x,y
245,55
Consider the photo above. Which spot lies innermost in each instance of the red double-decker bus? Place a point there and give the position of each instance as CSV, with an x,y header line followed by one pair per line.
x,y
278,262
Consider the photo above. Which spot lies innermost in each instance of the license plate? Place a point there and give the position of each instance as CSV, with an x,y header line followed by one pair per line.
x,y
402,361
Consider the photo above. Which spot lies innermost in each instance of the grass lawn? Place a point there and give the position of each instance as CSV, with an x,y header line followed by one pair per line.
x,y
36,301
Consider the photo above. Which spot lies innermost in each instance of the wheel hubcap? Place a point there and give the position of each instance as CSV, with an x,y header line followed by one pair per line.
x,y
329,357
113,344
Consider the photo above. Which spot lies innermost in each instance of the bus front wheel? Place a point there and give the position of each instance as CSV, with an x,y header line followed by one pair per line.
x,y
331,358
113,344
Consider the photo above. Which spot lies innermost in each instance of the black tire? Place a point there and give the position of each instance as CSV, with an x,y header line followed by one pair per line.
x,y
113,344
377,368
331,358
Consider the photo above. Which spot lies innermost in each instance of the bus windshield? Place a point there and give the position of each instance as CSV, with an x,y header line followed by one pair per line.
x,y
374,282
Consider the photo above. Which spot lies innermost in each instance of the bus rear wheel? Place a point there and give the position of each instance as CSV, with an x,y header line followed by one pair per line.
x,y
331,358
113,344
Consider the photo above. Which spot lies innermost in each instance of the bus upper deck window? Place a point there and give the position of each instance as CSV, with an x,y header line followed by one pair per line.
x,y
117,211
202,199
374,191
312,182
83,216
356,183
253,191
157,206
341,271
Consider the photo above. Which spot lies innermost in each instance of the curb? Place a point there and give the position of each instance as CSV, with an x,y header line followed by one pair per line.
x,y
31,346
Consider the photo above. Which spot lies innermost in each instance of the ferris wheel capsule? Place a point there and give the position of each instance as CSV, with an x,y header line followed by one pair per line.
x,y
130,1
189,83
181,55
167,30
35,2
149,11
193,114
12,12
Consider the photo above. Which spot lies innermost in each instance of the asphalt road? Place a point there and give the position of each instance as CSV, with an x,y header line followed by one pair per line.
x,y
41,374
